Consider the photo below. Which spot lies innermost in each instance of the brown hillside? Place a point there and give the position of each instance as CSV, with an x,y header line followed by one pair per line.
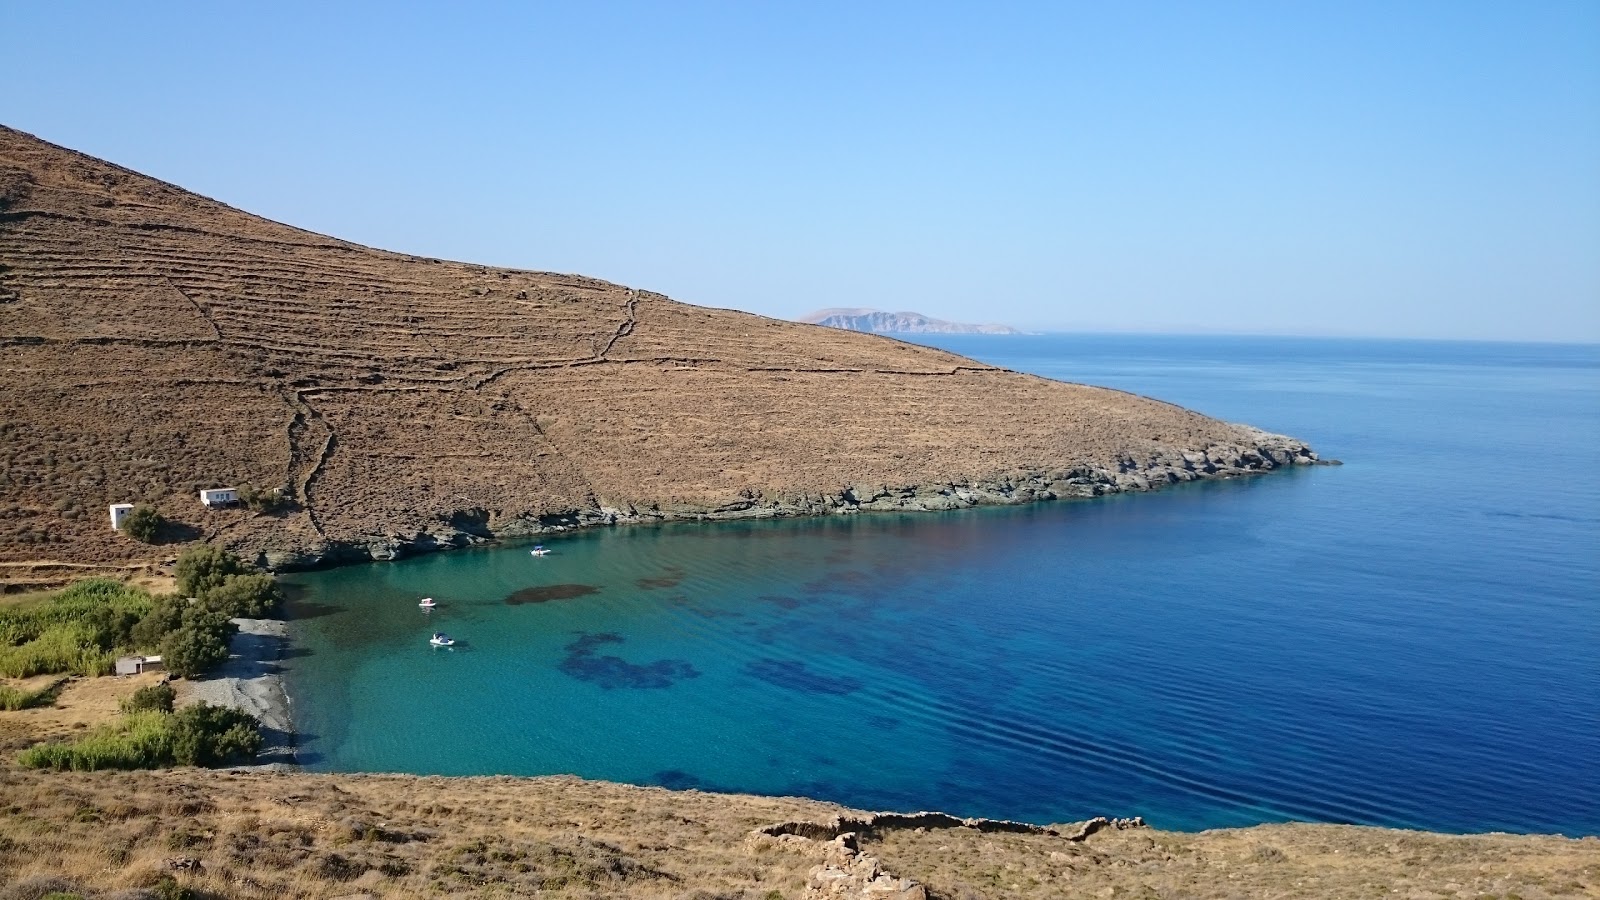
x,y
154,342
235,835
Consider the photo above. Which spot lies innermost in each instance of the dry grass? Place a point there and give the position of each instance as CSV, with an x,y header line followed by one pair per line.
x,y
279,835
261,835
81,705
154,343
1279,861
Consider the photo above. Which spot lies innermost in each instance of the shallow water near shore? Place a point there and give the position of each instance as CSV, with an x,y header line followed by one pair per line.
x,y
1412,639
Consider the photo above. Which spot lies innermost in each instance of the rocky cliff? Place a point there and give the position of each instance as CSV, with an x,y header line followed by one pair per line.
x,y
154,343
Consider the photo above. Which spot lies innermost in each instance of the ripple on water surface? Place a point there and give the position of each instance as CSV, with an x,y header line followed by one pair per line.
x,y
1368,644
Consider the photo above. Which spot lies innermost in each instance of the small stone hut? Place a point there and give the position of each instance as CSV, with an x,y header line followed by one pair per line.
x,y
138,665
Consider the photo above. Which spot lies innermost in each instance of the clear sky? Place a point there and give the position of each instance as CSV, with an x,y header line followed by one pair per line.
x,y
1410,169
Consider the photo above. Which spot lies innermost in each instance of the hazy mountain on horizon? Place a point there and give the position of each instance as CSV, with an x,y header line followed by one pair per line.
x,y
878,321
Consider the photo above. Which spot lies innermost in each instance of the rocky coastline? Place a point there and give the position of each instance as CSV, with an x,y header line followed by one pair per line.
x,y
1262,453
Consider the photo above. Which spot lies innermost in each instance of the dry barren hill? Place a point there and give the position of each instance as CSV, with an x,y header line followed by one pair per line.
x,y
154,342
145,835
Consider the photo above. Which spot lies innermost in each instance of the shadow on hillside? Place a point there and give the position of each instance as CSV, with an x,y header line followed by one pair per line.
x,y
172,532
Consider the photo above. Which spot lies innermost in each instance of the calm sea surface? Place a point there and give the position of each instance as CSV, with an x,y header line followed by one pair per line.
x,y
1412,639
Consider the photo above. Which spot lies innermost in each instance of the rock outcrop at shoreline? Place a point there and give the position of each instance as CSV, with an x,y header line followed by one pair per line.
x,y
472,527
156,343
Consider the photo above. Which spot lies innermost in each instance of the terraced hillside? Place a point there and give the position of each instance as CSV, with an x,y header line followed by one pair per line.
x,y
154,342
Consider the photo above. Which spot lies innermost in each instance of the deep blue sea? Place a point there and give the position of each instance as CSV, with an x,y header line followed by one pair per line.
x,y
1411,639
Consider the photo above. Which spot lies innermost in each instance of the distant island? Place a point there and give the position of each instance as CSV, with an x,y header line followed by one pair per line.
x,y
876,320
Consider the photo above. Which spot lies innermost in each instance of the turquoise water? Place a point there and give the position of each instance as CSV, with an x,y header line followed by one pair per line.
x,y
1411,639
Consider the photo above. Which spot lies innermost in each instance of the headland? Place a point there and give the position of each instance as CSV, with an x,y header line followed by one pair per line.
x,y
158,343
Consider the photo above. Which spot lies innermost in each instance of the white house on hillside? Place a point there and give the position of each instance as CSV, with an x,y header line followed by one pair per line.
x,y
119,511
219,497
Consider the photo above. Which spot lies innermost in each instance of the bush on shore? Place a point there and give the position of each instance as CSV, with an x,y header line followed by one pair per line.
x,y
200,735
83,628
225,582
198,644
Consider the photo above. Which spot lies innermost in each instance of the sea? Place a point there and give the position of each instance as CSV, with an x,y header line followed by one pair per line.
x,y
1411,639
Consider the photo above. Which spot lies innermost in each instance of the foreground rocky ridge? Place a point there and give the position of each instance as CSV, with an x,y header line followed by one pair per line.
x,y
155,343
259,835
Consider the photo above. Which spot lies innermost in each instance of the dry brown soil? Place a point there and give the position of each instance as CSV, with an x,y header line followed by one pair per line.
x,y
80,704
261,835
154,342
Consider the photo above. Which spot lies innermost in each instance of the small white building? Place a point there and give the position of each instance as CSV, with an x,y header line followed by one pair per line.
x,y
137,665
119,511
219,497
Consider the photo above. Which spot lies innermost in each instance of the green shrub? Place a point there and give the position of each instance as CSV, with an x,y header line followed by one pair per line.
x,y
207,735
143,523
16,698
244,595
148,739
141,740
153,697
165,616
168,888
263,500
226,583
82,629
203,568
198,645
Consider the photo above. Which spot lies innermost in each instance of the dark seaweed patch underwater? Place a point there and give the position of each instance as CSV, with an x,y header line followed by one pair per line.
x,y
612,672
1370,644
546,592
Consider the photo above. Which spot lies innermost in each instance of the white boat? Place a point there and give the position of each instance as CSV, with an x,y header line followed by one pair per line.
x,y
427,603
540,551
440,639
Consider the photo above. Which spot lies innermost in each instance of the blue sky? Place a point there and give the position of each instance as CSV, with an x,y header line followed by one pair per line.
x,y
1407,170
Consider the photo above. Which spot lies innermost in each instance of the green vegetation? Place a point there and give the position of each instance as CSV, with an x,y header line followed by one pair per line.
x,y
83,628
225,582
17,698
151,698
198,644
79,630
200,735
262,500
143,523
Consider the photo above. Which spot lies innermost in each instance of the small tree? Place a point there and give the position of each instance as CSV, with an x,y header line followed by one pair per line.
x,y
244,595
262,500
199,645
143,523
204,567
164,617
153,697
206,735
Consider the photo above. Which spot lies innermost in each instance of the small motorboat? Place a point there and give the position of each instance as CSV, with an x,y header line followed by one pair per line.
x,y
427,603
440,639
540,551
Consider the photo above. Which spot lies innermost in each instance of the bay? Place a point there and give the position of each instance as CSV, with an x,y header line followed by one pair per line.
x,y
1411,639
